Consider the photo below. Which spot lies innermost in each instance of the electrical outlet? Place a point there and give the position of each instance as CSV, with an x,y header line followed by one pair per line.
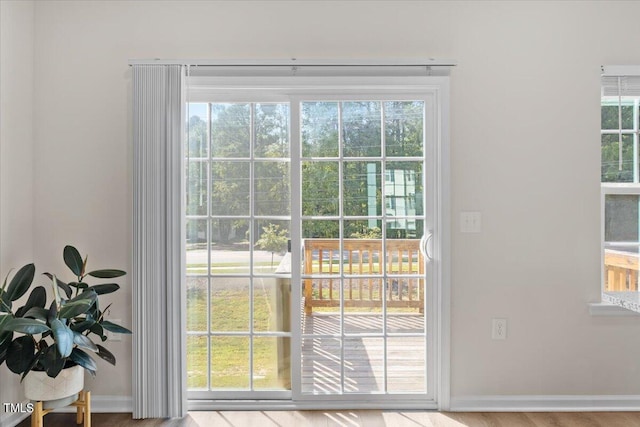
x,y
112,336
499,329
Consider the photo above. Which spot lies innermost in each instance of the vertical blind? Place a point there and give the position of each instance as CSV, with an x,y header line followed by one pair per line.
x,y
158,362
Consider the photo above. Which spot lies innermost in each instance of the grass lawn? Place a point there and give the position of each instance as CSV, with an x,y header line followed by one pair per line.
x,y
230,354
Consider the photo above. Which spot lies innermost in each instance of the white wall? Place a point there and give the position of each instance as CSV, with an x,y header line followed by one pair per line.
x,y
525,152
16,154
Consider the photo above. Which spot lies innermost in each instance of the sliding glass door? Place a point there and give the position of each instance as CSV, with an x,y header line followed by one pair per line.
x,y
238,222
309,225
364,225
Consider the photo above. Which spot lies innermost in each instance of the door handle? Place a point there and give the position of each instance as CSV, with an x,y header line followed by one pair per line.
x,y
424,245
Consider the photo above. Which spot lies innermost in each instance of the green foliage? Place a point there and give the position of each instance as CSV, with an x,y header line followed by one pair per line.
x,y
51,339
230,180
617,164
20,282
273,239
221,188
361,129
612,169
368,233
612,119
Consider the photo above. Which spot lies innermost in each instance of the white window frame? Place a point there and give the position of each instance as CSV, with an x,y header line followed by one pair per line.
x,y
611,305
293,89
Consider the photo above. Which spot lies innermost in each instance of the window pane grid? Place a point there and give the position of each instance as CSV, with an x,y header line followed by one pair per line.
x,y
231,212
620,123
369,137
361,171
620,188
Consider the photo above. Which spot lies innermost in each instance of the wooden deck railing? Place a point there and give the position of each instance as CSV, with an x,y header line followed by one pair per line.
x,y
621,270
363,257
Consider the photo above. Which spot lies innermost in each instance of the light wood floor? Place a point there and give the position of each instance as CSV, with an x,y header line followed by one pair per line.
x,y
369,418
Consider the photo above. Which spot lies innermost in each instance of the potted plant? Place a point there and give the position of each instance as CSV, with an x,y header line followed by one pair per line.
x,y
50,345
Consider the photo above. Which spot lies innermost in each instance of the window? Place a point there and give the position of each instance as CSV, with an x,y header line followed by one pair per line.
x,y
620,179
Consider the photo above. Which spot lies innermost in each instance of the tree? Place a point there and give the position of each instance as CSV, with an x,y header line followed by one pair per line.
x,y
362,135
367,233
273,240
197,166
233,127
610,144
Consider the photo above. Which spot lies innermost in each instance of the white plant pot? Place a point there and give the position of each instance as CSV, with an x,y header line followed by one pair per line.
x,y
54,392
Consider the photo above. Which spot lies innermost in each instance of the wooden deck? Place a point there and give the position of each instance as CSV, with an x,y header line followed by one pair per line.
x,y
363,356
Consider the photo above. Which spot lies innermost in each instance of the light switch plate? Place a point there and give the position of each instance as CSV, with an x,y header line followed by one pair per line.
x,y
470,222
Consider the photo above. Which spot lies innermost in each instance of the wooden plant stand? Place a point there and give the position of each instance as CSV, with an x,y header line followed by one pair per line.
x,y
83,415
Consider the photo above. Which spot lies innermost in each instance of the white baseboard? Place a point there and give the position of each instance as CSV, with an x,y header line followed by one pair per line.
x,y
284,405
534,403
107,404
498,403
11,420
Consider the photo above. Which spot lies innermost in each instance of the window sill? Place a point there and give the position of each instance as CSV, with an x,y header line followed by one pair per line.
x,y
617,304
606,309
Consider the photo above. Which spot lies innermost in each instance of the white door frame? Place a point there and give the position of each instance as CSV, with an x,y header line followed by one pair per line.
x,y
293,90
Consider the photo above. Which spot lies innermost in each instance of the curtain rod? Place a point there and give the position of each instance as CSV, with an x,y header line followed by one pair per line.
x,y
429,62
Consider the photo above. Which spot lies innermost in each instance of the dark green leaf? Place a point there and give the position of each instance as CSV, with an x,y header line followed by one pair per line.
x,y
82,326
97,329
78,285
112,327
84,360
37,298
6,337
75,308
37,313
106,355
4,283
63,336
26,326
4,318
53,362
5,302
73,260
34,362
94,312
89,294
84,342
5,343
67,290
108,273
106,288
20,354
78,305
53,312
21,282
